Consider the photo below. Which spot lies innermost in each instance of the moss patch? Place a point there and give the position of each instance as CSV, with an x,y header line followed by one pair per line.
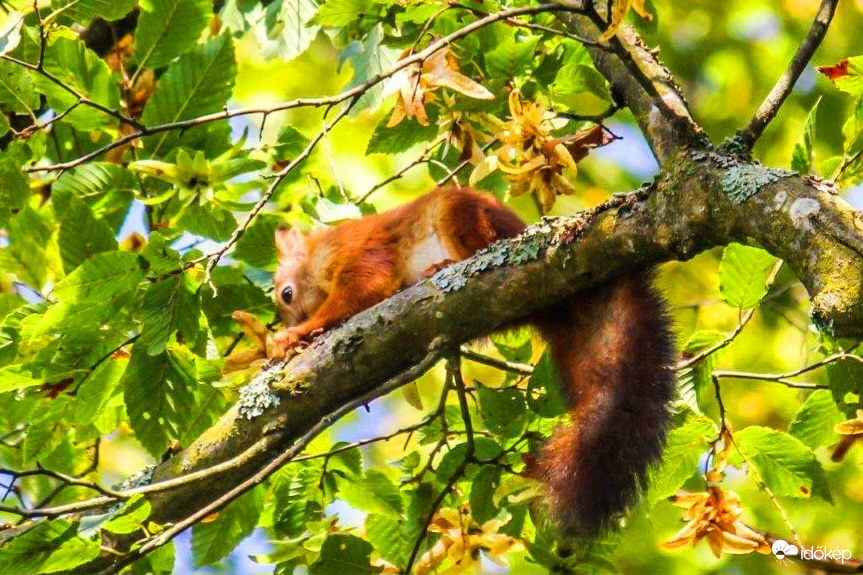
x,y
741,181
258,395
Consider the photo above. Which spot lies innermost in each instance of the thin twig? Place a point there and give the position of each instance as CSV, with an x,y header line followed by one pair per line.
x,y
774,100
464,163
690,361
514,367
555,31
785,378
214,257
81,97
421,159
595,118
314,102
67,480
454,376
776,378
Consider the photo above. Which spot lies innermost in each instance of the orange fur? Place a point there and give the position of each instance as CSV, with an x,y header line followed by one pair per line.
x,y
612,344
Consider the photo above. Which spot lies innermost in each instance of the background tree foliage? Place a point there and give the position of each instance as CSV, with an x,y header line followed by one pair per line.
x,y
150,149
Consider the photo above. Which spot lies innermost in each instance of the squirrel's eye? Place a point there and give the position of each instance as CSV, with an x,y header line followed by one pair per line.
x,y
287,294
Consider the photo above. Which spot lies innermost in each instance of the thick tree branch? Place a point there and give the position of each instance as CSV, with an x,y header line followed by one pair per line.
x,y
643,84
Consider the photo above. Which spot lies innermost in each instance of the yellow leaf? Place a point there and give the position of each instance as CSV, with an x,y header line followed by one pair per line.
x,y
412,395
641,10
619,9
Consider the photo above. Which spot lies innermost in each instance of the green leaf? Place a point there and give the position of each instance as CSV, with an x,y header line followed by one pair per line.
x,y
14,377
331,213
813,424
401,137
344,555
578,78
81,235
160,561
743,275
503,410
485,449
44,436
105,188
130,517
387,537
169,28
349,462
199,82
846,385
49,547
257,246
511,56
86,10
102,277
16,89
374,493
683,449
693,382
90,296
514,345
288,29
368,58
213,540
544,388
10,32
289,144
296,497
852,130
31,251
419,506
159,398
79,68
14,189
97,389
338,13
782,462
803,155
485,483
93,179
209,221
172,305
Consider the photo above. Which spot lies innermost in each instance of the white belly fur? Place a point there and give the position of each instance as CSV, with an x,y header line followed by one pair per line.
x,y
424,255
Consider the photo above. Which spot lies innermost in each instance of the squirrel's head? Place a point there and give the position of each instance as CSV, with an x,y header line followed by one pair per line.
x,y
296,296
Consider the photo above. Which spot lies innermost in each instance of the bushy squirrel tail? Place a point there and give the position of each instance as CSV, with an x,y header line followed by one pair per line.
x,y
614,350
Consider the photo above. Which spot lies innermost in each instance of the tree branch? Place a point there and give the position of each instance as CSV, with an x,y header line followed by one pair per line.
x,y
643,84
774,100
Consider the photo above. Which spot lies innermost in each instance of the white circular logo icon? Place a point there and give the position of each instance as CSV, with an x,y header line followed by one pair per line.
x,y
782,549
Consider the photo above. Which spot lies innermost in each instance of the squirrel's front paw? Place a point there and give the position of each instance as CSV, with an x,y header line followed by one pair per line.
x,y
284,340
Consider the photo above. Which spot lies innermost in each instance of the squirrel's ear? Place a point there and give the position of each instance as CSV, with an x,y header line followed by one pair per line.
x,y
290,242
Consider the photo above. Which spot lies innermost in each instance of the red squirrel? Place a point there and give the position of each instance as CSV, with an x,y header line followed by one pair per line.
x,y
612,344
